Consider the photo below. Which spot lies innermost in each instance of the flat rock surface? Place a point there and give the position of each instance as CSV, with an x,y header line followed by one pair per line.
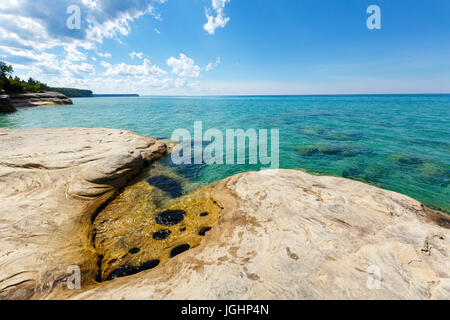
x,y
39,99
286,234
52,182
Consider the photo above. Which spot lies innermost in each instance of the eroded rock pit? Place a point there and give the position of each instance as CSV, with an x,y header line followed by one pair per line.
x,y
150,222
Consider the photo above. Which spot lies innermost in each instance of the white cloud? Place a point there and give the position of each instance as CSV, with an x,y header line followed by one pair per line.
x,y
123,69
38,26
212,65
184,66
219,20
139,55
106,55
73,54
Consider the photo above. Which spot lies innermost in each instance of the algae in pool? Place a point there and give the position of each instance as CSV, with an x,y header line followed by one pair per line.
x,y
152,221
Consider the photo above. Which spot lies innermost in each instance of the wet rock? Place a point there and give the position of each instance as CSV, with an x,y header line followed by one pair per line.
x,y
203,231
167,184
338,232
170,217
180,249
52,182
161,234
339,152
134,218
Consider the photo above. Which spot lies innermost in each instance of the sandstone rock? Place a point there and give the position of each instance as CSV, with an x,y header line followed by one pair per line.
x,y
39,99
52,182
286,234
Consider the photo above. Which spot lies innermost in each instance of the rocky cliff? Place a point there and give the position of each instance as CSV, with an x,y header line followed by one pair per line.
x,y
5,104
9,103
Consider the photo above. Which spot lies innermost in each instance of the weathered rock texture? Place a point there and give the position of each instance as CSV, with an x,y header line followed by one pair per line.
x,y
32,100
52,182
5,104
285,234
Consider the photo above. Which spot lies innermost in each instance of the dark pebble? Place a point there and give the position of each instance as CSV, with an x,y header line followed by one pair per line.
x,y
180,249
134,250
203,231
170,217
161,234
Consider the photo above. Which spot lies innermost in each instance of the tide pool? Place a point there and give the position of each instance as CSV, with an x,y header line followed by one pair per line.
x,y
396,142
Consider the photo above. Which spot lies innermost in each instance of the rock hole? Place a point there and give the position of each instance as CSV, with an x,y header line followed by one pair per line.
x,y
134,250
161,234
170,217
130,270
180,249
204,214
203,231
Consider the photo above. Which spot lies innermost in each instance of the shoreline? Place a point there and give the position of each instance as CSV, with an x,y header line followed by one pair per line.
x,y
72,186
10,102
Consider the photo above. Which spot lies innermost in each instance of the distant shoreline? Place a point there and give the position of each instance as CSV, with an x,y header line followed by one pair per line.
x,y
115,95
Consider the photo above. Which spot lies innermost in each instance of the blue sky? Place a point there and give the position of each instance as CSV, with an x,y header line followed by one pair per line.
x,y
215,47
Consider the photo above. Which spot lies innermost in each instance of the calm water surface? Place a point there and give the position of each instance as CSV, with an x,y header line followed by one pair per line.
x,y
397,142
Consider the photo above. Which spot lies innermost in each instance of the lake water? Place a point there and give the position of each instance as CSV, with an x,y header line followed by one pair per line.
x,y
397,142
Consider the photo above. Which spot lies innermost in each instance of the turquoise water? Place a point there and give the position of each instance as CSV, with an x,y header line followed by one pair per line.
x,y
397,142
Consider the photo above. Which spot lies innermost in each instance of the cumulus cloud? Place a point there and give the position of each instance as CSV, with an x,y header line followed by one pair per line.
x,y
219,20
212,65
31,31
123,69
139,55
184,66
34,37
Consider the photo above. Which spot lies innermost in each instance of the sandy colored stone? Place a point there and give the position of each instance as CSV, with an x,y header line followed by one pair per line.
x,y
286,234
48,98
52,181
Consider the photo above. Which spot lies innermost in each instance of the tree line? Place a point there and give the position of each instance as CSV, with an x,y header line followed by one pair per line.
x,y
10,84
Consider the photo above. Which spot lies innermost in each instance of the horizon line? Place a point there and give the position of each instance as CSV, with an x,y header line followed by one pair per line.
x,y
275,95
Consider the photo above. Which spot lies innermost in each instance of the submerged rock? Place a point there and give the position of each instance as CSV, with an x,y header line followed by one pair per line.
x,y
335,151
52,181
146,215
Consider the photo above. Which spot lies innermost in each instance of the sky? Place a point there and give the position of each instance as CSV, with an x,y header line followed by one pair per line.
x,y
229,47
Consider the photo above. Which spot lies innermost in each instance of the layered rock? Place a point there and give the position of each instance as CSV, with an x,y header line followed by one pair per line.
x,y
52,182
286,234
39,99
5,104
279,234
9,103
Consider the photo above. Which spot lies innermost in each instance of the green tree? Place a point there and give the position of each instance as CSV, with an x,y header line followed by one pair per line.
x,y
6,71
